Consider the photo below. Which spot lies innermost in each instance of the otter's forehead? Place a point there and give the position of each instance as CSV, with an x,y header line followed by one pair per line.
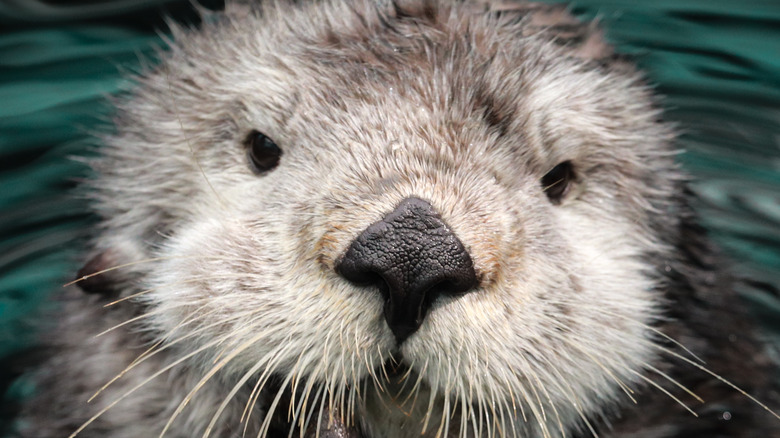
x,y
503,71
457,75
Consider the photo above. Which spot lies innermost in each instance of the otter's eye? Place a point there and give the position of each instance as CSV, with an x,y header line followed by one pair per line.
x,y
557,182
263,153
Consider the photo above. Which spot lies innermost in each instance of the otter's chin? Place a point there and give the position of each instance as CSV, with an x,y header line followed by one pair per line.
x,y
331,409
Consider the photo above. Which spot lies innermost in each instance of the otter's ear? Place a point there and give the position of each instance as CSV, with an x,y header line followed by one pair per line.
x,y
97,277
583,40
108,271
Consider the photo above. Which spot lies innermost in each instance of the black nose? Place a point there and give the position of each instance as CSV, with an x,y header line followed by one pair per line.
x,y
413,257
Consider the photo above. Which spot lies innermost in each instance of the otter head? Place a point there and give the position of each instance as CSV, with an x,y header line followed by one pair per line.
x,y
437,218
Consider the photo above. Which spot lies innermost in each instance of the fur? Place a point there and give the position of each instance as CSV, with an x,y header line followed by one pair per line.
x,y
227,295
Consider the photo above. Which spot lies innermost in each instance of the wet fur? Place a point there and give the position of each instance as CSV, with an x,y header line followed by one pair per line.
x,y
466,105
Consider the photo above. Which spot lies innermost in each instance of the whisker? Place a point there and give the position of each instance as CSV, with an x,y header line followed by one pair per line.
x,y
247,375
675,382
269,414
522,393
129,321
293,407
319,414
295,380
301,409
122,266
153,350
654,330
176,111
320,393
434,388
240,349
543,419
723,380
373,369
464,410
552,405
276,357
416,388
350,413
628,391
537,409
144,382
662,389
569,392
445,412
187,281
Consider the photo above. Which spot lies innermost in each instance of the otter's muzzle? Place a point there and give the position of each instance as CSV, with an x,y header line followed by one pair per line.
x,y
413,257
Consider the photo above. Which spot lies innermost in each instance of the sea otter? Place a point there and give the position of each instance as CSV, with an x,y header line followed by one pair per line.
x,y
397,219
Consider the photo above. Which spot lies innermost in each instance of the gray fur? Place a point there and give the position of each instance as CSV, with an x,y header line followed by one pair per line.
x,y
466,105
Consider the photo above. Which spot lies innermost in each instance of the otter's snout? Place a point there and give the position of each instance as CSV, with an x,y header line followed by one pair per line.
x,y
413,257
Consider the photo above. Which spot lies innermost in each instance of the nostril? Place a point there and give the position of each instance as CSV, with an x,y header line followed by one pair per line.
x,y
361,278
364,278
412,257
442,288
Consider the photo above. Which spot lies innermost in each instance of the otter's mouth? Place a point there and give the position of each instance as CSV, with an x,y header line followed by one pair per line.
x,y
323,417
326,421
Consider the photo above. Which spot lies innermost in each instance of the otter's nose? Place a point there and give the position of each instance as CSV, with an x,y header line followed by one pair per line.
x,y
413,257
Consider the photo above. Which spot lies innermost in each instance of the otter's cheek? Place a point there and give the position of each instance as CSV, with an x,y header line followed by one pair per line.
x,y
215,277
234,284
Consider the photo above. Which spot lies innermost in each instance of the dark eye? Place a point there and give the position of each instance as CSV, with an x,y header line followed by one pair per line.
x,y
263,153
557,182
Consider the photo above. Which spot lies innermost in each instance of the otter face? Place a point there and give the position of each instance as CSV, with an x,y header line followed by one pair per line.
x,y
435,218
